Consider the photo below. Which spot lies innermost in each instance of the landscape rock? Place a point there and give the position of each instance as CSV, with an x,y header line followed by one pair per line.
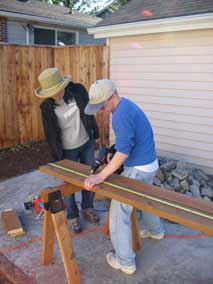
x,y
160,175
206,198
156,181
178,176
206,191
169,166
195,190
184,185
200,175
180,173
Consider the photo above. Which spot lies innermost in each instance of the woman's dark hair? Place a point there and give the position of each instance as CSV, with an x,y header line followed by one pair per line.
x,y
68,93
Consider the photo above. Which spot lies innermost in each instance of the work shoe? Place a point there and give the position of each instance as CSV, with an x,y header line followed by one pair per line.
x,y
75,225
90,215
112,261
145,234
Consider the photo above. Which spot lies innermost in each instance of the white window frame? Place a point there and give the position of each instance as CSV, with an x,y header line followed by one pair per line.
x,y
56,33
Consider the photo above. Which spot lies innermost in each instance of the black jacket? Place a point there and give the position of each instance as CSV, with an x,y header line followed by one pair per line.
x,y
50,122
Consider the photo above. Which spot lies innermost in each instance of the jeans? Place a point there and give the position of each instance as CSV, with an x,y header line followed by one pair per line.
x,y
85,155
120,221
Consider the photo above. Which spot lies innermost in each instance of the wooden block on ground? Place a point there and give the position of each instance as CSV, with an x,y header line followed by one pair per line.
x,y
12,223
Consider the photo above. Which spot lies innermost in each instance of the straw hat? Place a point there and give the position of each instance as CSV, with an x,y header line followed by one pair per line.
x,y
52,83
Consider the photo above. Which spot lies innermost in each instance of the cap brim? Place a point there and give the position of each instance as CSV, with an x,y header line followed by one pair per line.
x,y
93,108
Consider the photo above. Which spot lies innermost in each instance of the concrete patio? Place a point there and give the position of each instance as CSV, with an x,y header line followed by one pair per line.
x,y
184,256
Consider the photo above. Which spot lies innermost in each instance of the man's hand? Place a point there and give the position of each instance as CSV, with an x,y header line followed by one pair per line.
x,y
109,157
92,180
113,165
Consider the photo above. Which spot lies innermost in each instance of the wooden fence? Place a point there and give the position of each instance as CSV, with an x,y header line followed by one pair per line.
x,y
20,119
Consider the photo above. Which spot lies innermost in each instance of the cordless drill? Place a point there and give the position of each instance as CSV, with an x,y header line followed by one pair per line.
x,y
34,202
101,159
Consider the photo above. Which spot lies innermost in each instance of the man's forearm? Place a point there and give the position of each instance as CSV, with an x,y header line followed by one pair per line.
x,y
117,160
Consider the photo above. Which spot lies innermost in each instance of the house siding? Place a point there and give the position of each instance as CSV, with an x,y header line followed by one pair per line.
x,y
85,38
16,32
169,75
3,29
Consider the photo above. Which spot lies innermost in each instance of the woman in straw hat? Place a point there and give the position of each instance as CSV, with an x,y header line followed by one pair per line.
x,y
70,133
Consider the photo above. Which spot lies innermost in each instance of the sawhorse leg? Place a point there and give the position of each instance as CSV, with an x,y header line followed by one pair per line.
x,y
66,247
136,241
47,239
56,224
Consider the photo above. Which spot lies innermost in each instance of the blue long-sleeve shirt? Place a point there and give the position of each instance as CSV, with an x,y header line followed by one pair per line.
x,y
134,135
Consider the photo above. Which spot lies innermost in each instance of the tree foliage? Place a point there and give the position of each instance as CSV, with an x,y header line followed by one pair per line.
x,y
87,6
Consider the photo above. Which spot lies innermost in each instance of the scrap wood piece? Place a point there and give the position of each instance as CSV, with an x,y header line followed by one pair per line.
x,y
12,223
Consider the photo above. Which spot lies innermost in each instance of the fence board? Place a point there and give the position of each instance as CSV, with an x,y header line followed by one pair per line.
x,y
20,118
8,116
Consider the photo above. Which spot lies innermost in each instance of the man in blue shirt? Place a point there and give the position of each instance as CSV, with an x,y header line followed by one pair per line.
x,y
135,148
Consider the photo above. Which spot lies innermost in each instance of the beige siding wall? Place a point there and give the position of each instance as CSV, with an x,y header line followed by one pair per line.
x,y
170,76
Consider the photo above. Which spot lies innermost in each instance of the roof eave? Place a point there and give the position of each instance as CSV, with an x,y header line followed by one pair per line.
x,y
26,17
201,21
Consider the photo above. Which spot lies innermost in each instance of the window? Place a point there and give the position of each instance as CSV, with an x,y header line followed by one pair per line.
x,y
64,38
43,36
51,37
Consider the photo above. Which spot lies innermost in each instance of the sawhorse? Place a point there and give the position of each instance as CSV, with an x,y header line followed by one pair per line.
x,y
55,224
196,214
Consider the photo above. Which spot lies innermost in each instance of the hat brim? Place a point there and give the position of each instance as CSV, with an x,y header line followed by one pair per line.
x,y
93,108
48,93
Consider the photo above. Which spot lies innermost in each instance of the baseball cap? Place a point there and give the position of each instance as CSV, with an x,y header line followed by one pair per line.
x,y
99,92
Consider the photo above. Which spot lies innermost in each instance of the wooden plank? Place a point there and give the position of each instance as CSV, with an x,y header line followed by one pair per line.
x,y
102,71
12,223
48,237
8,124
33,74
65,189
105,63
154,207
59,59
9,78
84,76
74,57
22,97
2,106
66,248
45,55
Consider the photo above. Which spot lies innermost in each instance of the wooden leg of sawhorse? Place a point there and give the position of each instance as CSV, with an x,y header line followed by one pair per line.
x,y
57,224
47,239
66,248
136,241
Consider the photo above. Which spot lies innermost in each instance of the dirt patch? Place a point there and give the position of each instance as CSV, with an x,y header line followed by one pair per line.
x,y
23,159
